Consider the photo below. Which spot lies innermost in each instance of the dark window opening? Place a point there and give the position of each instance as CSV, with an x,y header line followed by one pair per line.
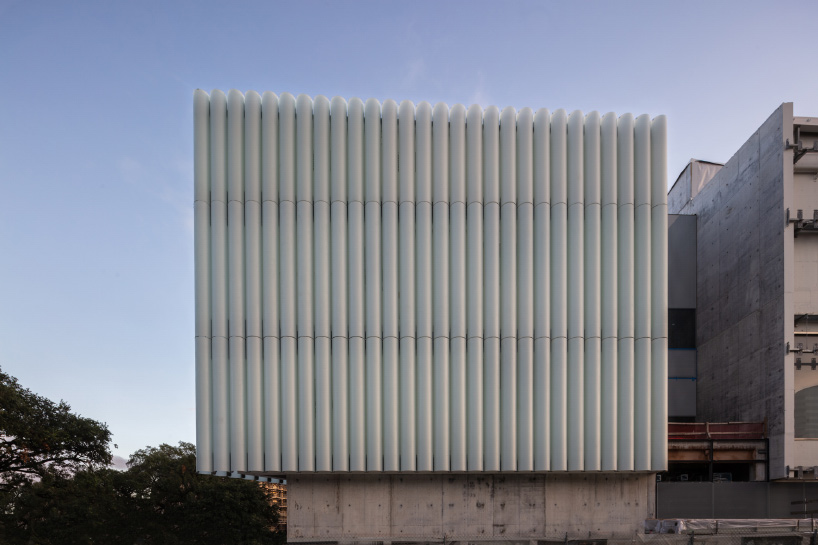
x,y
681,328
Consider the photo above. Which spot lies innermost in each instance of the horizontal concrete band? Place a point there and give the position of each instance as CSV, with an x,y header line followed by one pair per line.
x,y
475,507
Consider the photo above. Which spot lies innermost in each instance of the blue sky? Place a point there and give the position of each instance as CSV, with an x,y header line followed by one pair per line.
x,y
96,170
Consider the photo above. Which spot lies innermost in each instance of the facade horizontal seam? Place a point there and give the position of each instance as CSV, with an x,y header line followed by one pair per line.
x,y
519,204
252,200
491,202
235,200
553,204
201,200
541,203
587,204
542,337
609,337
263,200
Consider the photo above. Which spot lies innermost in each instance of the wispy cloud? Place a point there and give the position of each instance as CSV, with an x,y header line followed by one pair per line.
x,y
415,73
131,169
171,183
480,95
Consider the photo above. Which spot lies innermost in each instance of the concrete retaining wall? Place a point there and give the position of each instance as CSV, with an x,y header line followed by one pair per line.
x,y
467,507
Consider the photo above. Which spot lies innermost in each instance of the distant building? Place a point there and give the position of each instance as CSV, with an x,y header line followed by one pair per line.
x,y
277,494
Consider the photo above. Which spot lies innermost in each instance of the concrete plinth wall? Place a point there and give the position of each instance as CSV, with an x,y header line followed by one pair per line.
x,y
467,507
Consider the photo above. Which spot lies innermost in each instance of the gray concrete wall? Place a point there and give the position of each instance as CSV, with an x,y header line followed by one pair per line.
x,y
758,500
681,386
681,261
679,194
467,507
740,319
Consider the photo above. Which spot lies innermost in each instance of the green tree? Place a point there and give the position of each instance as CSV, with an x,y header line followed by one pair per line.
x,y
159,499
90,506
39,437
178,505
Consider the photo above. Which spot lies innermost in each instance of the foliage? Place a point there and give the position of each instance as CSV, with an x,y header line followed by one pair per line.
x,y
39,437
159,499
194,508
68,509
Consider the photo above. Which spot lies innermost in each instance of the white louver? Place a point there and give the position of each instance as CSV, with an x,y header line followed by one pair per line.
x,y
384,287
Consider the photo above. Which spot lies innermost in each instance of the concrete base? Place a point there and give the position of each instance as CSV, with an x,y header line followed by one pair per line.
x,y
467,507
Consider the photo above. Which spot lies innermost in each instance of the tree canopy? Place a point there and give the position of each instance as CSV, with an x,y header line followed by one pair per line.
x,y
38,436
176,503
159,499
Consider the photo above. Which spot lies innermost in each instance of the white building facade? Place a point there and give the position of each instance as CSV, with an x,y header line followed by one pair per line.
x,y
387,289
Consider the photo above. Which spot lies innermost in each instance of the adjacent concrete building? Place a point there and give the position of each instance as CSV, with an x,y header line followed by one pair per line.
x,y
757,287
